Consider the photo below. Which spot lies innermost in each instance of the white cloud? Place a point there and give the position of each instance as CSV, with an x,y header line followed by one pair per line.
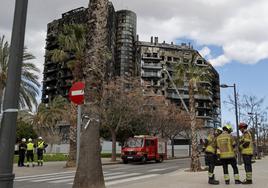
x,y
219,61
205,52
239,27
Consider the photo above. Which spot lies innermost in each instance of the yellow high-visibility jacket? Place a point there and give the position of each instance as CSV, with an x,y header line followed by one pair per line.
x,y
225,143
246,144
211,144
30,146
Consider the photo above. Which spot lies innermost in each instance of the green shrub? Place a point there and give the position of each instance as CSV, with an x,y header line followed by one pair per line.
x,y
60,157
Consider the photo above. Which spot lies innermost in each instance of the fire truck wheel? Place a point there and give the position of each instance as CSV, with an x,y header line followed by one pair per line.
x,y
125,161
144,159
160,160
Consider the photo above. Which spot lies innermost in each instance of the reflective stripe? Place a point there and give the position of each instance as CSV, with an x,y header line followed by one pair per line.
x,y
236,176
249,175
40,145
226,177
210,175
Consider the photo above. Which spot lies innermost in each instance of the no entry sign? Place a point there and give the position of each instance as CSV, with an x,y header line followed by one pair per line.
x,y
76,93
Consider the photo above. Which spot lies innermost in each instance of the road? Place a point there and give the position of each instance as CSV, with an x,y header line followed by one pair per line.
x,y
118,175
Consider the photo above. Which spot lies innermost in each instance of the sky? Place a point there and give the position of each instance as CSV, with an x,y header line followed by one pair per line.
x,y
232,35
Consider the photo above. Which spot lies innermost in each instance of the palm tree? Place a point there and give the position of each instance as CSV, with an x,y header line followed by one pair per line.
x,y
195,75
46,119
72,43
29,87
89,173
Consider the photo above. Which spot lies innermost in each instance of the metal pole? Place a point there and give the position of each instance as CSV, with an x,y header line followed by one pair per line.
x,y
237,129
79,114
10,106
177,91
257,135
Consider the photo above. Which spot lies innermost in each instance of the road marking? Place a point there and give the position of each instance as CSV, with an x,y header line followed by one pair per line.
x,y
130,179
55,178
121,176
40,175
160,169
117,177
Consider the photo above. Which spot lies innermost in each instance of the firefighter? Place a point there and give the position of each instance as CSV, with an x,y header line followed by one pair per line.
x,y
211,156
30,153
22,151
226,143
41,145
246,148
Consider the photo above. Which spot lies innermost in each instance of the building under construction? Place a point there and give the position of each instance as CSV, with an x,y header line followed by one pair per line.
x,y
131,57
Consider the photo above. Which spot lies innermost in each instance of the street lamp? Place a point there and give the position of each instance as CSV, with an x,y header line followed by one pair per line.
x,y
236,119
10,105
256,131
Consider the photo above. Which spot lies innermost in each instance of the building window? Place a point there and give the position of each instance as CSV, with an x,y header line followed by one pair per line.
x,y
169,58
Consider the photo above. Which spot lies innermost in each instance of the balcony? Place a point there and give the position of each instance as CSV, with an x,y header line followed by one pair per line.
x,y
176,96
151,58
152,65
151,74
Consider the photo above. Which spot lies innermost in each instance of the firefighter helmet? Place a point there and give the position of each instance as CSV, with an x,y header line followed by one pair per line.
x,y
23,140
243,125
228,128
29,140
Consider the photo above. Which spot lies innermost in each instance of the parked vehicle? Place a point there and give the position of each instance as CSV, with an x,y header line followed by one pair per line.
x,y
144,148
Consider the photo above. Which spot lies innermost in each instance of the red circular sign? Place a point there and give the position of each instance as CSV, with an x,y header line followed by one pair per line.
x,y
76,93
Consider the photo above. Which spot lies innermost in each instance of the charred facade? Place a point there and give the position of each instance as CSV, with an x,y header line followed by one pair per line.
x,y
131,57
156,58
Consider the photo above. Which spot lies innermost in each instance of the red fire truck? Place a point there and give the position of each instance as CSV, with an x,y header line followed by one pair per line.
x,y
144,148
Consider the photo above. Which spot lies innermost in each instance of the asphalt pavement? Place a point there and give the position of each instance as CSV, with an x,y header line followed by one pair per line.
x,y
53,175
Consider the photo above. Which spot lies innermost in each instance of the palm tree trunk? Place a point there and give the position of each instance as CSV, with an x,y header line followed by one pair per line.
x,y
1,98
71,162
195,163
113,133
89,173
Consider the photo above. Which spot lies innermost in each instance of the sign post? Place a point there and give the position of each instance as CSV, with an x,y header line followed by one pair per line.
x,y
76,95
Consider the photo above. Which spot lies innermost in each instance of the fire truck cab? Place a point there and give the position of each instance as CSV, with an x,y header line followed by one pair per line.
x,y
144,148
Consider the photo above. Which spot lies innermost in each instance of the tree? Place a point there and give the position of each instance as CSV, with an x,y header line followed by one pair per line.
x,y
71,50
25,130
89,173
29,87
47,118
121,104
176,122
196,78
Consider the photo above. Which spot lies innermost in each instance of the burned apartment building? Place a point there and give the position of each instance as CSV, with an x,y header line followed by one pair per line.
x,y
121,29
156,58
131,57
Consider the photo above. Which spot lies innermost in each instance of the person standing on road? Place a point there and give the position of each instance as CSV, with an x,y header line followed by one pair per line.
x,y
226,144
211,157
22,151
41,145
246,148
30,153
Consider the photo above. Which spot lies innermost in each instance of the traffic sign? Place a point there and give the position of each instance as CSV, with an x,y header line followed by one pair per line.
x,y
76,93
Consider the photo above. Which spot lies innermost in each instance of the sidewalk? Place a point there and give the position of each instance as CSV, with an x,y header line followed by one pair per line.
x,y
183,179
52,167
